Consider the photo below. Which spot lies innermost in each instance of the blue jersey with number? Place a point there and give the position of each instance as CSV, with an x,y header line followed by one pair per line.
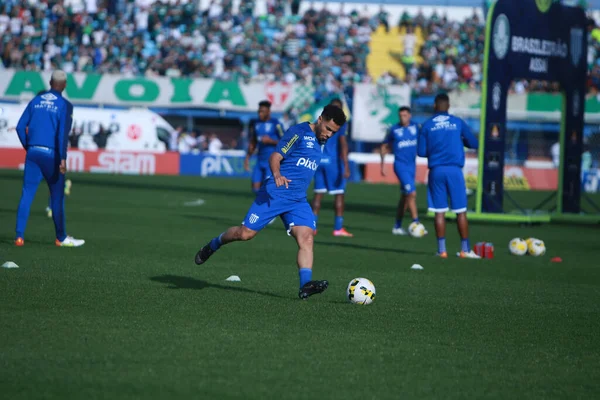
x,y
403,143
331,150
271,128
301,157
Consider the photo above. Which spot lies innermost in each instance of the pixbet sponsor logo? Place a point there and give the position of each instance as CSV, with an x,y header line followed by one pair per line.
x,y
307,163
407,143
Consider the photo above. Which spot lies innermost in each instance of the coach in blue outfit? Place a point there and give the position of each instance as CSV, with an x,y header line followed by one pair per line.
x,y
43,130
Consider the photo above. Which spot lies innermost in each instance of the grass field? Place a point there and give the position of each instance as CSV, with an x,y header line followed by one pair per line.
x,y
130,315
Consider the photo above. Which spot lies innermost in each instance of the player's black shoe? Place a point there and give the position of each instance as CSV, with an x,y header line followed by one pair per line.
x,y
203,255
312,287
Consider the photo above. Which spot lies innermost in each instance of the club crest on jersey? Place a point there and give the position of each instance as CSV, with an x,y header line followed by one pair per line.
x,y
268,126
307,163
253,218
412,129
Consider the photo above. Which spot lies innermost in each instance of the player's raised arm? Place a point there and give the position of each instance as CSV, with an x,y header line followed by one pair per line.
x,y
23,124
469,140
422,142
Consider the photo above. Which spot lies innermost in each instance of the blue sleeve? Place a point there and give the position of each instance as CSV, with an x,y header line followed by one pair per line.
x,y
61,132
343,128
279,129
422,143
288,143
469,140
23,124
389,137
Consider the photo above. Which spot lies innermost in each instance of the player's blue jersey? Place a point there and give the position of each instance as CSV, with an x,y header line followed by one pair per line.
x,y
331,149
442,140
46,122
301,157
271,128
403,142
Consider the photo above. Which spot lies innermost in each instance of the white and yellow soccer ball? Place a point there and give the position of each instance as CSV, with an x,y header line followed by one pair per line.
x,y
361,291
536,247
518,247
416,230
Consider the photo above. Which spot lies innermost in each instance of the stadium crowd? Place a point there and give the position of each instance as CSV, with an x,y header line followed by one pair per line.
x,y
327,48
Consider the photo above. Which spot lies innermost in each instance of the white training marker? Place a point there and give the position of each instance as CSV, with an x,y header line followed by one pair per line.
x,y
417,267
233,278
194,203
9,264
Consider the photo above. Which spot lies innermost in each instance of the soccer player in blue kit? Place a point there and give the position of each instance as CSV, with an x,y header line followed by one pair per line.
x,y
43,130
292,165
442,140
402,141
265,132
331,176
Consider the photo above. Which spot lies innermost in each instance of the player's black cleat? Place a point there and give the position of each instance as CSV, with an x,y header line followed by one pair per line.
x,y
312,287
203,255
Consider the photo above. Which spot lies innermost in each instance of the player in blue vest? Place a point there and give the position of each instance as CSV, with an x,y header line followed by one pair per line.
x,y
43,132
331,176
401,140
283,193
264,134
442,140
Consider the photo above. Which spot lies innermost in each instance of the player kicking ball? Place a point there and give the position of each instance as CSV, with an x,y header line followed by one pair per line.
x,y
402,141
293,165
331,176
442,140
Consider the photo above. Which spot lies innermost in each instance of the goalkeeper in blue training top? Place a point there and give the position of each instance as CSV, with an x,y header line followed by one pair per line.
x,y
442,140
292,167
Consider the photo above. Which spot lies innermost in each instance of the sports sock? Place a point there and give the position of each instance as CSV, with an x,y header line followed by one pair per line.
x,y
441,245
416,220
216,243
398,224
465,246
338,223
305,276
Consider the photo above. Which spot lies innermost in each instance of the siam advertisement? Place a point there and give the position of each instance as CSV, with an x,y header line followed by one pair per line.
x,y
375,109
105,162
118,90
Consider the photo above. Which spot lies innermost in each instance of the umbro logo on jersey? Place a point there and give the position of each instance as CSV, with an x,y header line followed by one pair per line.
x,y
307,163
399,131
441,118
49,97
310,145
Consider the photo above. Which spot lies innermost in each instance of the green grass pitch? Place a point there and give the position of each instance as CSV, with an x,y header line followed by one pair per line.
x,y
130,315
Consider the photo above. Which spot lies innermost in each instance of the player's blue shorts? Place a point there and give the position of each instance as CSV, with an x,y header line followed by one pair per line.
x,y
444,182
329,178
260,172
406,178
267,207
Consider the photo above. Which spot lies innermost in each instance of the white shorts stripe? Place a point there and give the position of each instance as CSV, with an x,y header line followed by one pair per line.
x,y
320,190
460,210
438,210
339,191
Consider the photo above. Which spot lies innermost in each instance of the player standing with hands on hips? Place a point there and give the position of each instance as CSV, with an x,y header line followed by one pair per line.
x,y
442,140
293,165
43,130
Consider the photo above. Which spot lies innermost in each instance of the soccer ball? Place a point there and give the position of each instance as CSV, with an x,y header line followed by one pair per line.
x,y
536,247
416,229
518,247
361,291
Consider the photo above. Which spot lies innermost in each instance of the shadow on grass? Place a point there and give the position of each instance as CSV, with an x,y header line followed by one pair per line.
x,y
371,248
185,282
